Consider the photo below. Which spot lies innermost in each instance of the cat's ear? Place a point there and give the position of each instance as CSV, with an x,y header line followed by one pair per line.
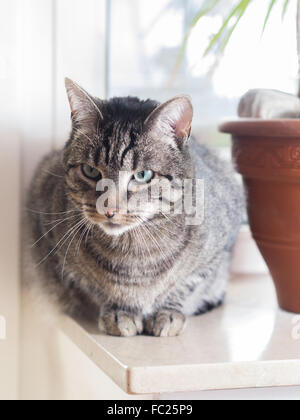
x,y
173,118
83,106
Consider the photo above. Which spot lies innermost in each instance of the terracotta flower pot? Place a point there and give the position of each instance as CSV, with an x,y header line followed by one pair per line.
x,y
267,154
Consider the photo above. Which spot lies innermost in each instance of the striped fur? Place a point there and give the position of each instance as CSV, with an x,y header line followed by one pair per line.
x,y
153,275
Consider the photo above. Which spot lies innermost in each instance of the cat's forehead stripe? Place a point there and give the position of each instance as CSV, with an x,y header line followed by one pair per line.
x,y
131,145
106,144
97,156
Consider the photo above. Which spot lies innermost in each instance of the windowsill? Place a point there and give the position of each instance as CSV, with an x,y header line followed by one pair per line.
x,y
244,344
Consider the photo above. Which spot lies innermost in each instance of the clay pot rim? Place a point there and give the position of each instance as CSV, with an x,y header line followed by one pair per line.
x,y
258,127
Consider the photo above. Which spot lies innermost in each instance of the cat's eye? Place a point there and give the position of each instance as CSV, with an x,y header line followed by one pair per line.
x,y
91,173
144,177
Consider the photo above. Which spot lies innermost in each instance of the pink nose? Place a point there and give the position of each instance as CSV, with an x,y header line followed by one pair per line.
x,y
110,213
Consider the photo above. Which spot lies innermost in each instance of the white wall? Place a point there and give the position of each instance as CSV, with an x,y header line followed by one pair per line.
x,y
10,203
44,41
58,38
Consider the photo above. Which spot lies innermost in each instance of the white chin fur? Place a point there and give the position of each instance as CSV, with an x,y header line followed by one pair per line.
x,y
115,231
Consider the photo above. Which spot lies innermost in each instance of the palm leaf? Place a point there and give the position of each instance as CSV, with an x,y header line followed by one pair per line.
x,y
285,6
230,32
207,7
223,36
272,4
238,11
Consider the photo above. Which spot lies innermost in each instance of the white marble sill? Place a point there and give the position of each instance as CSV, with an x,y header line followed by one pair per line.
x,y
248,342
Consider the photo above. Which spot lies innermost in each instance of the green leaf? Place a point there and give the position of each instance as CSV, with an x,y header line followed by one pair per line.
x,y
285,6
223,36
230,32
238,11
207,7
272,4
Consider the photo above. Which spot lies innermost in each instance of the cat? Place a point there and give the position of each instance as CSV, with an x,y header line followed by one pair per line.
x,y
133,273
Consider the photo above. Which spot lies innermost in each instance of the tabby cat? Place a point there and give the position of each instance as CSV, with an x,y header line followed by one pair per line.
x,y
134,271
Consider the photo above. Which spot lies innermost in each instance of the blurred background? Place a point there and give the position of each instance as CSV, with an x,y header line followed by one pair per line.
x,y
131,47
115,47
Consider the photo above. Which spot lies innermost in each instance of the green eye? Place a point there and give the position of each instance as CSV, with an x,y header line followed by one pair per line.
x,y
91,173
144,177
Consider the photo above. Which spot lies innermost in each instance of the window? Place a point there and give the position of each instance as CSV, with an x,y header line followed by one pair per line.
x,y
145,39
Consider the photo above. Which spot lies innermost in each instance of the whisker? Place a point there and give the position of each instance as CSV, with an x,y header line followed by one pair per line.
x,y
184,239
51,173
62,240
89,231
51,214
170,220
50,230
157,245
158,230
140,233
77,230
80,239
152,240
57,220
167,237
163,236
139,248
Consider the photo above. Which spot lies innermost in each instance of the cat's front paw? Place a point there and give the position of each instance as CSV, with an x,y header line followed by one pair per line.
x,y
165,323
121,324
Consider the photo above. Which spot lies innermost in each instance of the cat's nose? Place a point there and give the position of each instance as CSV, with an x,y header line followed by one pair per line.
x,y
110,213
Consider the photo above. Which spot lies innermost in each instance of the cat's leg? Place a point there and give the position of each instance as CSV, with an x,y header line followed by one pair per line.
x,y
210,293
269,104
211,289
165,323
120,323
197,294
